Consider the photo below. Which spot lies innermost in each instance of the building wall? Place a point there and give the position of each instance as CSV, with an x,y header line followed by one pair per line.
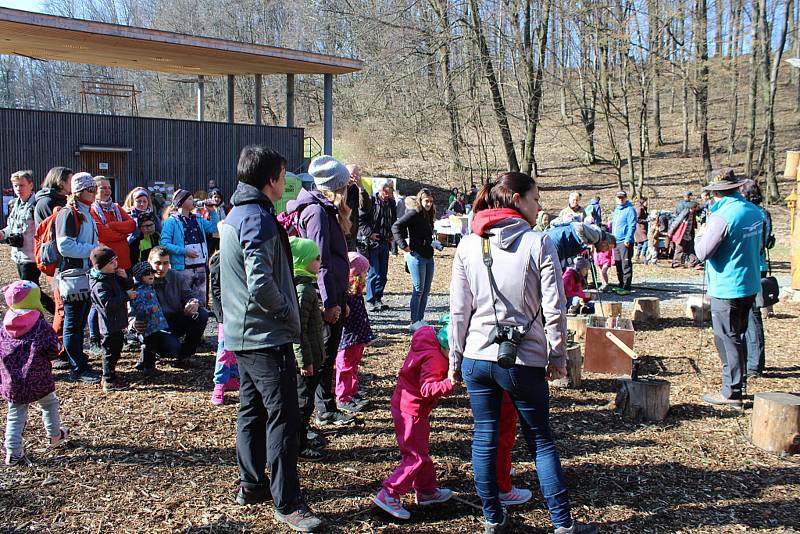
x,y
184,153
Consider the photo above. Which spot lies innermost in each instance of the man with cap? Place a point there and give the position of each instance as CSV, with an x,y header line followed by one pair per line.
x,y
573,238
623,224
688,196
262,321
376,216
731,246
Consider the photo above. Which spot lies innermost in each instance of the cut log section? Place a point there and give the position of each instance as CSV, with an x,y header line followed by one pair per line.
x,y
574,369
646,309
577,324
792,161
642,400
698,309
775,423
609,309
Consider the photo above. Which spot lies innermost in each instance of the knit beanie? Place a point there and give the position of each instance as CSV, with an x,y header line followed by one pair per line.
x,y
180,197
101,256
81,181
304,251
145,217
140,192
142,269
358,264
444,332
328,173
24,300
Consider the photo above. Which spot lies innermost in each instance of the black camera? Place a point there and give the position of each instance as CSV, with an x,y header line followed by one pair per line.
x,y
508,338
15,240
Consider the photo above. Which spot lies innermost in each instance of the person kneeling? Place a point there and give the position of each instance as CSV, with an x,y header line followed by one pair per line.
x,y
574,279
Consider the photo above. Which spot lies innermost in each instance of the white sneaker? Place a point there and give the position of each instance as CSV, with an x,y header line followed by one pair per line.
x,y
439,496
515,496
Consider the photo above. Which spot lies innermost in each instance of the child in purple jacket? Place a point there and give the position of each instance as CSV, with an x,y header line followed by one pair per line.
x,y
27,344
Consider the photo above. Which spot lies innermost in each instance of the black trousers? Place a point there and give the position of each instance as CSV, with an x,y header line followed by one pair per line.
x,y
624,262
30,272
729,319
191,329
684,253
306,386
112,348
324,399
266,427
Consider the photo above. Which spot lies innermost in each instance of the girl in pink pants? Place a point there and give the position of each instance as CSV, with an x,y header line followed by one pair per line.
x,y
422,380
356,334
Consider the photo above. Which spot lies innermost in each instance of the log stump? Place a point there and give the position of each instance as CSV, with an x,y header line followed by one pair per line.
x,y
577,323
642,400
609,309
698,309
646,309
775,422
574,369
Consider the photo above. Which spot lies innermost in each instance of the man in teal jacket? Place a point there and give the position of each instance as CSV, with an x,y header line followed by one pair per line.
x,y
731,246
623,225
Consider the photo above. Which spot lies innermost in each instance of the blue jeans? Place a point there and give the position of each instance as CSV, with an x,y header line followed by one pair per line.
x,y
75,314
754,337
421,270
485,383
641,248
378,257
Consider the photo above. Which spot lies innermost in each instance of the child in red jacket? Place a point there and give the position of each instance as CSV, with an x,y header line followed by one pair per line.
x,y
422,380
574,279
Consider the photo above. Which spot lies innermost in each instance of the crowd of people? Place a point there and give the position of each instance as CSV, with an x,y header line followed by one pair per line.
x,y
293,320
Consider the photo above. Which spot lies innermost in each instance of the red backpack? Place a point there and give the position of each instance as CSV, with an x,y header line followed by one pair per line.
x,y
45,250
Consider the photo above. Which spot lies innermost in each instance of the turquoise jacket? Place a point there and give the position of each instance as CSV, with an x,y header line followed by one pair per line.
x,y
172,237
731,246
623,222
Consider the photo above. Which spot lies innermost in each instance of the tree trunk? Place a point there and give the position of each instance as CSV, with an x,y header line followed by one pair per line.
x,y
497,98
733,52
752,102
701,89
535,87
769,132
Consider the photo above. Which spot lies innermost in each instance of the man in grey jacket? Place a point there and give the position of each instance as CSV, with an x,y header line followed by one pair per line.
x,y
262,321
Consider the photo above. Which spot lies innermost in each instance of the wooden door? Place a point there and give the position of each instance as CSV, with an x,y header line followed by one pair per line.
x,y
111,165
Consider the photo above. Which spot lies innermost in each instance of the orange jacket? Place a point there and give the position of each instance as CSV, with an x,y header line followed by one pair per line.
x,y
114,234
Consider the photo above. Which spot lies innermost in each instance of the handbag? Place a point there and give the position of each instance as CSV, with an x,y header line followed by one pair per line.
x,y
770,290
73,285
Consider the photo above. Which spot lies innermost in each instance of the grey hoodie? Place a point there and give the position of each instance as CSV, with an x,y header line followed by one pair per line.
x,y
515,249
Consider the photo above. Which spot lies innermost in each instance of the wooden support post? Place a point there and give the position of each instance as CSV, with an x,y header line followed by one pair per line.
x,y
698,309
775,423
642,400
609,309
577,324
646,309
574,369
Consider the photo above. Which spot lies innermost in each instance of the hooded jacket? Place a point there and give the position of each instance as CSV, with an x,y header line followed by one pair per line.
x,y
376,216
172,237
623,222
46,201
21,221
573,238
311,349
318,222
413,230
528,275
75,242
25,372
423,377
114,232
111,300
259,298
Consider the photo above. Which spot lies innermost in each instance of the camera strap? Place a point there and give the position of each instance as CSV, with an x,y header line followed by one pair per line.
x,y
486,248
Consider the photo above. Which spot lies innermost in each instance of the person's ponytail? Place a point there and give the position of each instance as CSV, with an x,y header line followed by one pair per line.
x,y
500,193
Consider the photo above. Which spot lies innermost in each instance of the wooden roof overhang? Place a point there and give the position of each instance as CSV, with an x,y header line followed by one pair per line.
x,y
55,38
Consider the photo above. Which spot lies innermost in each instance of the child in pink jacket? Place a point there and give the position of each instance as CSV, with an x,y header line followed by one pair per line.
x,y
422,380
574,279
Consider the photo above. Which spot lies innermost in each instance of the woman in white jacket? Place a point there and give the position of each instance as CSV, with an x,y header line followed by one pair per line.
x,y
508,333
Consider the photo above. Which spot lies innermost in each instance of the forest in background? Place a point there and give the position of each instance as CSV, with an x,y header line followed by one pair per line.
x,y
472,86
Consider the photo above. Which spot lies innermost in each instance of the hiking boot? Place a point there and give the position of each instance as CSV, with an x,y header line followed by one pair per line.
x,y
334,418
109,386
350,406
218,395
61,439
439,496
87,376
94,347
310,454
576,528
315,440
390,505
496,528
515,496
245,496
716,399
622,292
753,374
20,459
301,520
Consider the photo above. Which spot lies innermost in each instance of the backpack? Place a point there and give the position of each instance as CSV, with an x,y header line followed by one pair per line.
x,y
289,221
45,251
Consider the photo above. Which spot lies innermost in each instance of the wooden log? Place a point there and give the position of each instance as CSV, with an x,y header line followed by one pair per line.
x,y
642,400
792,161
609,309
698,309
775,422
577,323
574,369
646,309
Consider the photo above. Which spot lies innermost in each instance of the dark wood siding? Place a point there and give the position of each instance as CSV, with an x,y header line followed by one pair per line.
x,y
184,153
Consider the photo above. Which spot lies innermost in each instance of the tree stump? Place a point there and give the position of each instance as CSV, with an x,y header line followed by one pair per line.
x,y
609,309
642,400
698,309
646,309
574,369
775,423
577,324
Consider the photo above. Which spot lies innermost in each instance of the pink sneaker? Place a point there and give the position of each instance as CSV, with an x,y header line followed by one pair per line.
x,y
515,496
218,395
61,439
232,385
390,505
439,496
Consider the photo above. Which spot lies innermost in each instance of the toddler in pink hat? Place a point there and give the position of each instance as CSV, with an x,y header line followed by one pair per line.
x,y
27,345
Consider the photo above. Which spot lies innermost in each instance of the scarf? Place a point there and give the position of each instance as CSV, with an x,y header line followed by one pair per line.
x,y
101,208
486,219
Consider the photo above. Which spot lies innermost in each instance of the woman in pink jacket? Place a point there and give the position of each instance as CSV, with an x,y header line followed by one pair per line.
x,y
422,380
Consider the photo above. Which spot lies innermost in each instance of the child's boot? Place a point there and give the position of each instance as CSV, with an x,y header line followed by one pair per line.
x,y
218,395
61,438
390,505
439,496
20,458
